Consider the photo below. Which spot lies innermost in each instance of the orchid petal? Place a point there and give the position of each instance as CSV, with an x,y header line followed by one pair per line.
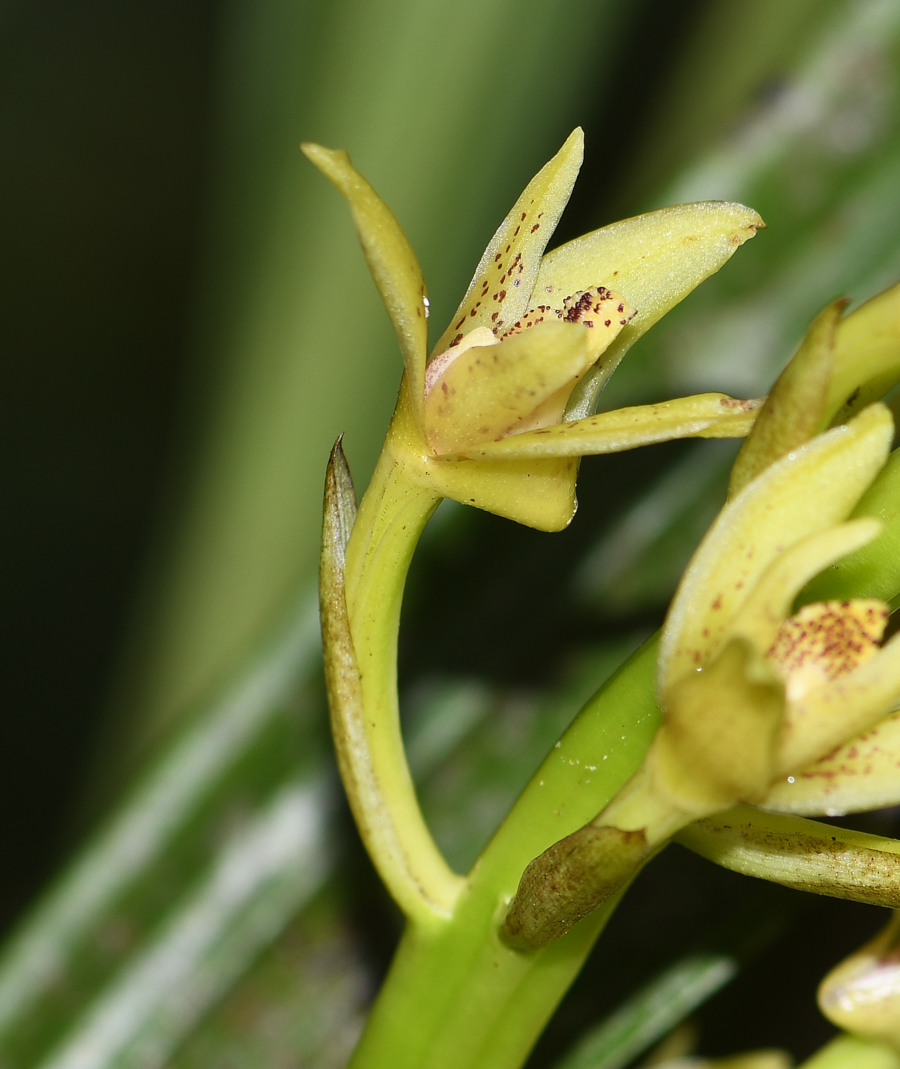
x,y
866,355
718,740
800,853
762,614
862,774
828,715
825,640
705,415
389,255
874,570
793,411
537,493
489,389
654,260
805,492
500,290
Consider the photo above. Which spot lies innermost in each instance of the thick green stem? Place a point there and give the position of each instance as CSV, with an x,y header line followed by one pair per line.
x,y
456,995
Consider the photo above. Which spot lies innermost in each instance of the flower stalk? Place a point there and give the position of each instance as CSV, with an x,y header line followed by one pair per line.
x,y
798,853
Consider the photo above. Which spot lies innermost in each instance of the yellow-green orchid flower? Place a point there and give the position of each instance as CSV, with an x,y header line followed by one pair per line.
x,y
484,421
755,697
750,692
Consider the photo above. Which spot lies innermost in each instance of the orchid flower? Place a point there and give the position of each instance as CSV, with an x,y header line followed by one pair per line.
x,y
484,421
754,695
750,692
861,773
496,419
829,650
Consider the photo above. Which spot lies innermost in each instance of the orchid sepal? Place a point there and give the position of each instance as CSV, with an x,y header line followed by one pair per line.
x,y
655,260
866,356
872,571
705,415
794,411
501,288
391,259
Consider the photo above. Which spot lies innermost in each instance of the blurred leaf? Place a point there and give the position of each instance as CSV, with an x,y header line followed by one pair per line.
x,y
301,1004
292,346
818,157
649,1014
261,875
735,58
150,877
819,161
639,560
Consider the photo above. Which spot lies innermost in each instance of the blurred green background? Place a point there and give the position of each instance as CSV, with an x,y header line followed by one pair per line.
x,y
188,325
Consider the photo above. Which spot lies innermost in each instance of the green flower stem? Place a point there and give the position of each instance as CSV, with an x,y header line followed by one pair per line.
x,y
800,853
456,995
